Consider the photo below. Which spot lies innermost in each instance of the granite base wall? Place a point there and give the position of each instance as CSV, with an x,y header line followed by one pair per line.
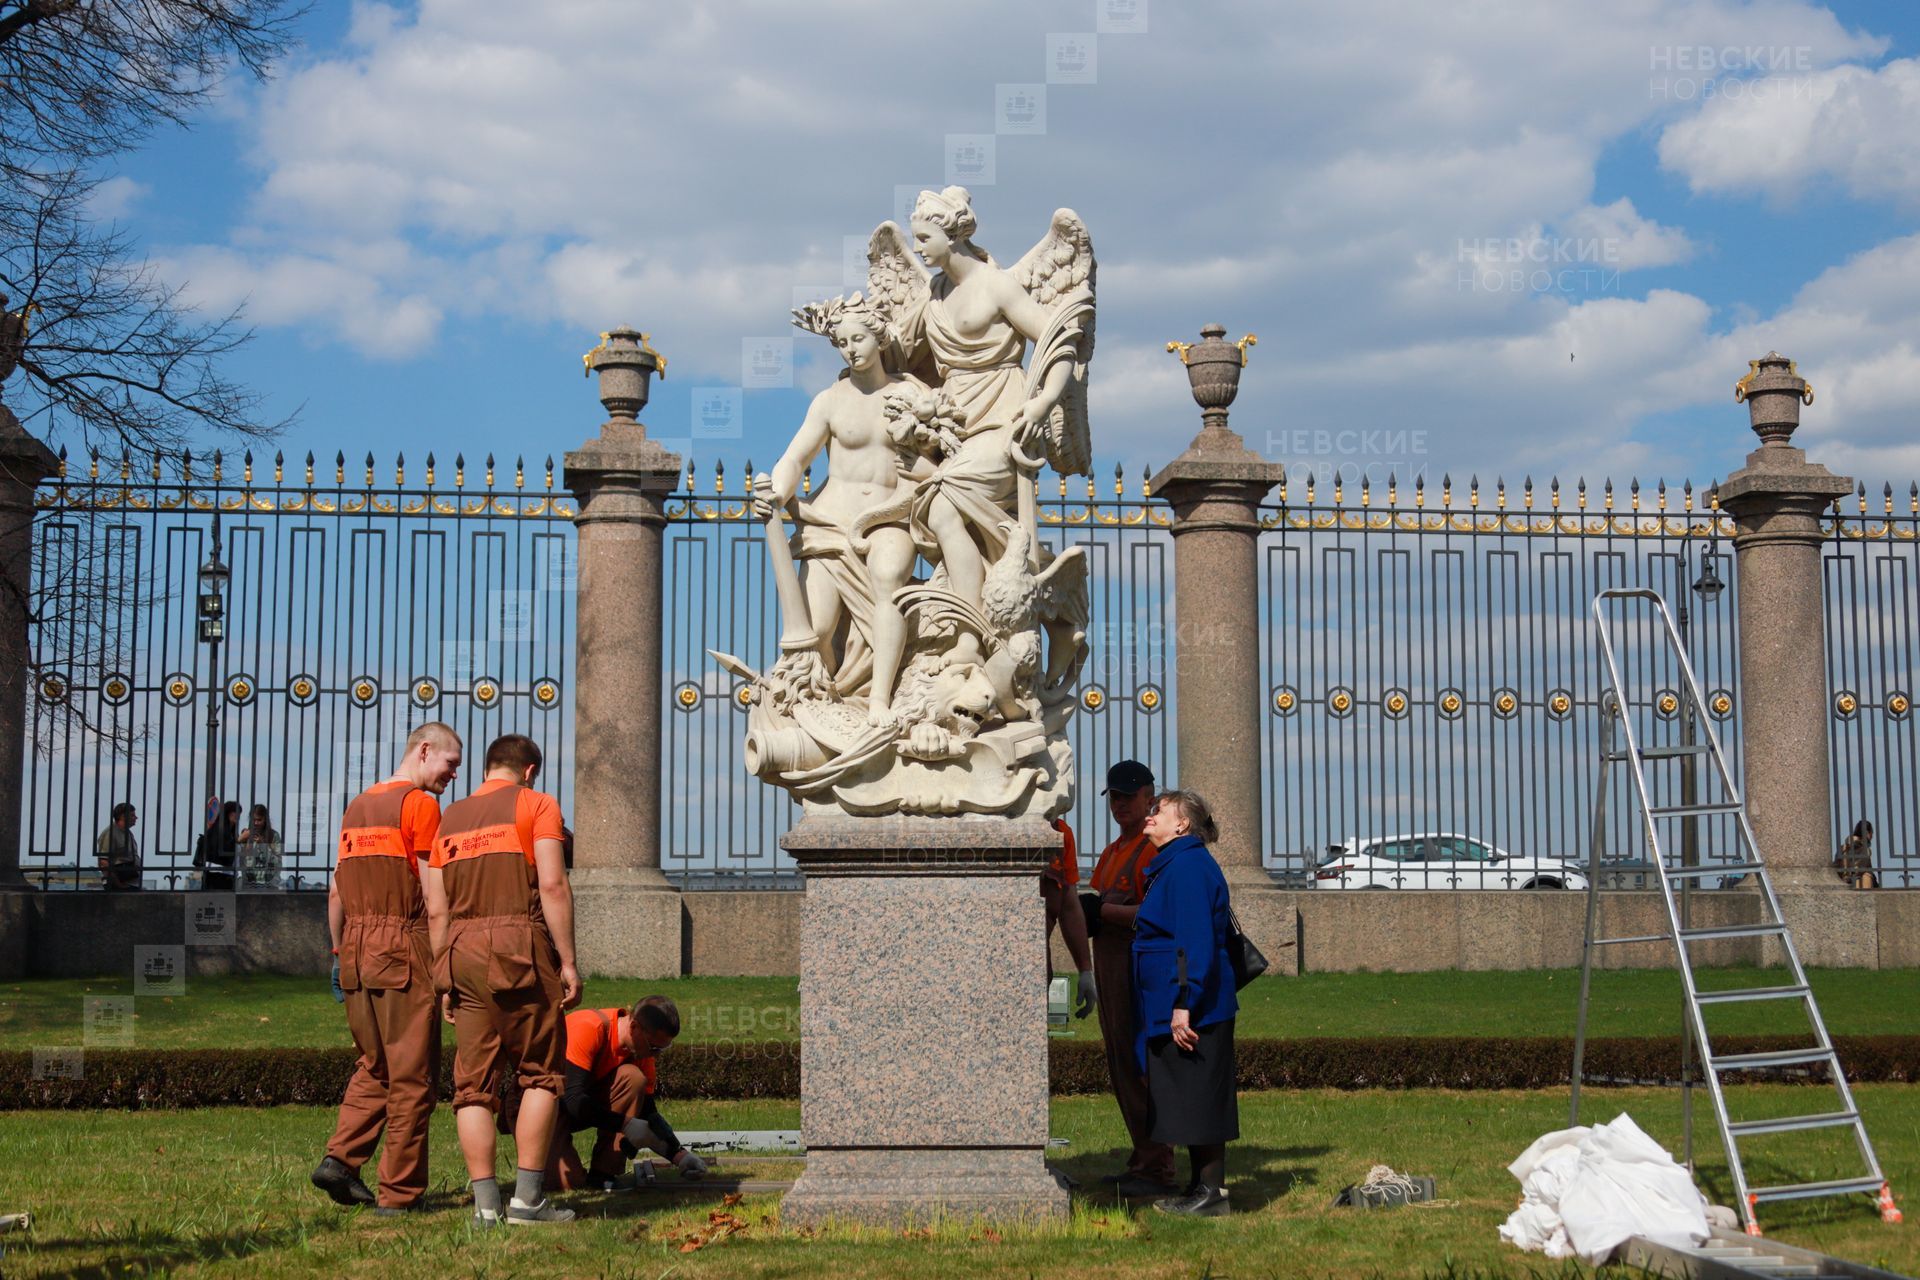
x,y
757,933
87,934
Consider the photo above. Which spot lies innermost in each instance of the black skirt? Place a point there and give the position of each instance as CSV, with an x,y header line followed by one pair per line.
x,y
1194,1101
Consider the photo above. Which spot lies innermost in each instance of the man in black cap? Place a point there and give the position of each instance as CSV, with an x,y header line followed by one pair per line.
x,y
1109,909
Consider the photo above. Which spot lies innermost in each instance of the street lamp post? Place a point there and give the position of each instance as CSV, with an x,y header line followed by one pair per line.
x,y
213,626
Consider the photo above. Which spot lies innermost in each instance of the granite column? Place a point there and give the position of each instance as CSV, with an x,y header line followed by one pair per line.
x,y
1778,502
627,914
1215,488
24,463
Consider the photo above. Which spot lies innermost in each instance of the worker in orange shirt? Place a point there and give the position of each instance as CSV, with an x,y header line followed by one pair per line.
x,y
501,915
377,916
613,1060
1110,907
1063,909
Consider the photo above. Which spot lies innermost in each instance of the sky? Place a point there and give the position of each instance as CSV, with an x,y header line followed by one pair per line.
x,y
1500,238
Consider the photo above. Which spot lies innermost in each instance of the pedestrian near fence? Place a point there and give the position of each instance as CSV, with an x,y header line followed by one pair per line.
x,y
119,850
1184,992
1854,862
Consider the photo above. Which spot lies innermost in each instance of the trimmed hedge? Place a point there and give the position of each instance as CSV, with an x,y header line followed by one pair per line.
x,y
139,1079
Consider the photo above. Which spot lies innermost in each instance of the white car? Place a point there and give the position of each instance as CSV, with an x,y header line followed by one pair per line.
x,y
1438,860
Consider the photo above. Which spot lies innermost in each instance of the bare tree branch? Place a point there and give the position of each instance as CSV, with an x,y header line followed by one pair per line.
x,y
111,354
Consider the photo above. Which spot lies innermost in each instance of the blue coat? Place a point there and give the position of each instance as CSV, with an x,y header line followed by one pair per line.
x,y
1180,944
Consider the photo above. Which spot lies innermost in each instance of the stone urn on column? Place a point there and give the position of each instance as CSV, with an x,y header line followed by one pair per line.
x,y
626,913
1216,487
1779,503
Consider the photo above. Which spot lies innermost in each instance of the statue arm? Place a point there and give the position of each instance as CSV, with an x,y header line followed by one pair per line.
x,y
806,445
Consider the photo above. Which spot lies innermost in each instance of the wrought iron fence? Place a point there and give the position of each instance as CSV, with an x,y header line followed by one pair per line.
x,y
1428,658
1872,576
1433,682
359,605
720,821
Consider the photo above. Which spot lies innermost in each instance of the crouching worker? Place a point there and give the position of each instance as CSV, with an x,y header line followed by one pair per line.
x,y
613,1060
501,916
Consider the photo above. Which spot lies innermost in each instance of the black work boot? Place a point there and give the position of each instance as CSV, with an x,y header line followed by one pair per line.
x,y
342,1185
1202,1202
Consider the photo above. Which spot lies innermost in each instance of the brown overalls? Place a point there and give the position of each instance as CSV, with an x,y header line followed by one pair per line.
x,y
1119,868
385,970
500,961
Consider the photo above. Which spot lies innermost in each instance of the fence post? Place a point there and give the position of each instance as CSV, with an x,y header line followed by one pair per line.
x,y
1778,501
1215,489
626,913
24,463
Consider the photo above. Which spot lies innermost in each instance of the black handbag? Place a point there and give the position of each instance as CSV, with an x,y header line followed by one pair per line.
x,y
1249,962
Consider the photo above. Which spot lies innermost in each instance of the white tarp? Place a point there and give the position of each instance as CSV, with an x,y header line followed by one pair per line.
x,y
1586,1190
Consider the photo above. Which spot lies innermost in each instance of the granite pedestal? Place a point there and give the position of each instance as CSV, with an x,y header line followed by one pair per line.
x,y
923,1032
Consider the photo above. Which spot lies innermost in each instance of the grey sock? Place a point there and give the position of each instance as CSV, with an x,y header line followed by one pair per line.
x,y
528,1185
486,1195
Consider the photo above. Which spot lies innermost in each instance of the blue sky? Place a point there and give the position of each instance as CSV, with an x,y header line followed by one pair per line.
x,y
434,209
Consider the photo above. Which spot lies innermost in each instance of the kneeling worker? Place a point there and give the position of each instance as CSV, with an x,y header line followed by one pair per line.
x,y
501,915
612,1072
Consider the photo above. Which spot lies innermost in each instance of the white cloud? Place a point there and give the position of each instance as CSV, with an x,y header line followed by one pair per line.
x,y
1320,181
1624,238
1853,125
114,198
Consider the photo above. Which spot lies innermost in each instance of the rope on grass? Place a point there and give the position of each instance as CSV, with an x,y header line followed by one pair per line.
x,y
1382,1175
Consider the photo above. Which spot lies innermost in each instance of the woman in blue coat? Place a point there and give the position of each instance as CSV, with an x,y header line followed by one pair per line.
x,y
1184,999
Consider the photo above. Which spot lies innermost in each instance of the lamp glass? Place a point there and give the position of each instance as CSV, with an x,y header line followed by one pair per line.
x,y
1708,585
213,575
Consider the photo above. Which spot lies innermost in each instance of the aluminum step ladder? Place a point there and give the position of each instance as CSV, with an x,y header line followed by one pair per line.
x,y
1727,1255
1621,745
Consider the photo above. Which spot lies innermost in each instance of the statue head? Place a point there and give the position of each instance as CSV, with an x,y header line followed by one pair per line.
x,y
943,225
854,326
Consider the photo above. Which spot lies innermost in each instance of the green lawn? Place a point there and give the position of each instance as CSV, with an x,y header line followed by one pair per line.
x,y
266,1011
224,1193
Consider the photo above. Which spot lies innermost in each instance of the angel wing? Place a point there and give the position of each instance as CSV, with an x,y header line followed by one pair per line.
x,y
897,287
1058,273
896,281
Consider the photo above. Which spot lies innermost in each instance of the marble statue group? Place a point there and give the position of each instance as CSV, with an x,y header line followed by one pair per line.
x,y
948,693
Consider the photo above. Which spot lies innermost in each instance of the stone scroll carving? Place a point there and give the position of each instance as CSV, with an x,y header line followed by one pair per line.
x,y
945,693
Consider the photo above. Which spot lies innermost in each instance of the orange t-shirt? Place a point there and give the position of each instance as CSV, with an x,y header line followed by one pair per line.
x,y
1120,865
419,824
536,817
593,1045
1064,867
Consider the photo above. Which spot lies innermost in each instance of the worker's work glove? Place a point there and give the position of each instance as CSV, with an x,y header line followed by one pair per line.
x,y
339,994
692,1167
1089,995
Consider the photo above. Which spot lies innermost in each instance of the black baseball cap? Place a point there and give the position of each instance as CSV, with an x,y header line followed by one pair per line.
x,y
1127,777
